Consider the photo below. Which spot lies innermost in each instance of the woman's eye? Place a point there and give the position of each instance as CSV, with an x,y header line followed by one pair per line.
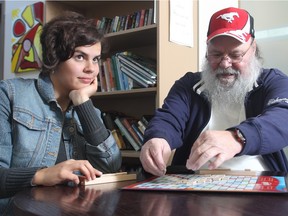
x,y
97,59
79,57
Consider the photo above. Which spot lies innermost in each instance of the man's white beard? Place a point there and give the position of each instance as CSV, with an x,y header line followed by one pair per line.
x,y
228,95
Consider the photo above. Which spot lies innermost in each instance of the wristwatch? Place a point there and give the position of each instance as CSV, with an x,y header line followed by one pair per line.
x,y
239,136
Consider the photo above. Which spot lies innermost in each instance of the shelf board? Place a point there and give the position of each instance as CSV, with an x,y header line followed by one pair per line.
x,y
130,31
127,93
144,36
130,153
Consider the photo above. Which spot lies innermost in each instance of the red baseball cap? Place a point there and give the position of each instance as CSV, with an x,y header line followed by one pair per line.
x,y
233,22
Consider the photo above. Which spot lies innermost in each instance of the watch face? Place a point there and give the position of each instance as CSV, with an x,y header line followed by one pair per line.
x,y
240,135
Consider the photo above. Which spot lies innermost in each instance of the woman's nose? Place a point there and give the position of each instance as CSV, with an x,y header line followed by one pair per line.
x,y
90,67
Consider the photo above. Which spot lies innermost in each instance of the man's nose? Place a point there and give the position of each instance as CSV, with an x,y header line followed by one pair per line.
x,y
225,62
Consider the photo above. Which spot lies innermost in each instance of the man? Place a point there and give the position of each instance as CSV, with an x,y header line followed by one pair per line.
x,y
232,115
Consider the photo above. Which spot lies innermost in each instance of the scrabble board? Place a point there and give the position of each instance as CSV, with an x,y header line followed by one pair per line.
x,y
213,183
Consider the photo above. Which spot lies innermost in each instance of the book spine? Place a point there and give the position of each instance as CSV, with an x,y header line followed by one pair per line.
x,y
122,23
146,17
126,134
142,17
108,122
110,125
118,139
107,76
139,67
143,63
115,24
134,76
137,19
131,69
145,121
141,126
118,73
102,77
111,74
138,132
150,16
115,74
138,73
128,126
122,77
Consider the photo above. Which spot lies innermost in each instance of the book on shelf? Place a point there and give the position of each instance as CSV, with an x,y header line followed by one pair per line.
x,y
145,119
142,17
110,125
146,17
102,77
111,74
104,24
137,131
141,126
121,79
136,68
148,64
145,66
115,24
128,125
151,16
125,71
136,77
126,134
108,79
139,18
143,122
119,139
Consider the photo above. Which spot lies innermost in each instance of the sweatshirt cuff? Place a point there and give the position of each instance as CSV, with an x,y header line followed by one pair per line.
x,y
19,178
93,128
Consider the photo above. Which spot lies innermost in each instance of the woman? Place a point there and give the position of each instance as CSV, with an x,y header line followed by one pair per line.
x,y
50,131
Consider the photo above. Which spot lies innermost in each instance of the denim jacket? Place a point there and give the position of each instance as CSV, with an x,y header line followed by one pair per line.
x,y
32,124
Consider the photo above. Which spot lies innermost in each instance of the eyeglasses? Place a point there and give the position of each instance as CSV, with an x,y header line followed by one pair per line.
x,y
234,57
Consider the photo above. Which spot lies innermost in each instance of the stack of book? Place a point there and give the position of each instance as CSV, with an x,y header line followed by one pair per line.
x,y
141,70
125,71
127,131
136,19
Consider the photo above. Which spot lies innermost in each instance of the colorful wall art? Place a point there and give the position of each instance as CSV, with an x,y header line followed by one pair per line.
x,y
26,29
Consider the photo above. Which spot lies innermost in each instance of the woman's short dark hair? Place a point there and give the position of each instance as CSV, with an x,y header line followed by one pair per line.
x,y
63,34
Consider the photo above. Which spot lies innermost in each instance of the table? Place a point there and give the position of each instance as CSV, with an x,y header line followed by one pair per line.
x,y
109,199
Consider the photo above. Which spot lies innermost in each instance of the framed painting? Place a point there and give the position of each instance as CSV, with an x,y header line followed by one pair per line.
x,y
26,28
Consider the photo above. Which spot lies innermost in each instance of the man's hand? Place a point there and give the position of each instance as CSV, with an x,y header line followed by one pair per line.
x,y
214,147
154,156
63,172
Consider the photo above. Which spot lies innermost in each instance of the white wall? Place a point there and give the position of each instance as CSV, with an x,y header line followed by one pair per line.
x,y
9,6
271,26
206,9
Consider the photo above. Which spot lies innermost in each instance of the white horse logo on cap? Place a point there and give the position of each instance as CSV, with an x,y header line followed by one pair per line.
x,y
228,16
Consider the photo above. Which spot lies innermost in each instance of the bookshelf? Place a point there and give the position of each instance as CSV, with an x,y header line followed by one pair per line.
x,y
173,60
